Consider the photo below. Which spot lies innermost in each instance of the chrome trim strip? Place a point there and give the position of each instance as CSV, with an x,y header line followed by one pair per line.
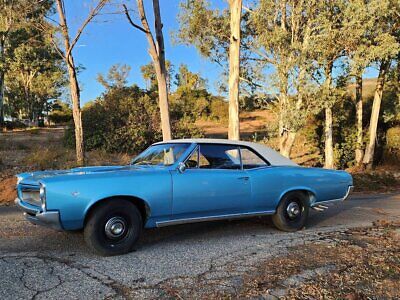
x,y
214,218
349,190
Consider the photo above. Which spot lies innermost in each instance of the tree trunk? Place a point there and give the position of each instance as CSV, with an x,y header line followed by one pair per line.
x,y
76,112
329,154
235,7
1,98
2,50
161,72
157,54
74,87
288,139
373,124
359,120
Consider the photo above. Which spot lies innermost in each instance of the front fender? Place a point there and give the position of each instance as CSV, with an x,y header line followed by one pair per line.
x,y
74,197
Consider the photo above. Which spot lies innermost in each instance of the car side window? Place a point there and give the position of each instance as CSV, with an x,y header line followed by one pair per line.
x,y
219,157
251,160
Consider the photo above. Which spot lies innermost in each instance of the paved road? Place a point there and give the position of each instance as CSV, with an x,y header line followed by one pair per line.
x,y
39,263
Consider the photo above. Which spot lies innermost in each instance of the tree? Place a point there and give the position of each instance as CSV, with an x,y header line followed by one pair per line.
x,y
15,15
235,8
227,31
327,47
150,76
67,55
385,47
283,32
116,77
157,54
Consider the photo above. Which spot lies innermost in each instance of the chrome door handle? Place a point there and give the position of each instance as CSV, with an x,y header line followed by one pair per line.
x,y
244,177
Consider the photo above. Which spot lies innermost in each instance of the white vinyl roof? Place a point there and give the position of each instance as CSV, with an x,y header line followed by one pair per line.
x,y
269,154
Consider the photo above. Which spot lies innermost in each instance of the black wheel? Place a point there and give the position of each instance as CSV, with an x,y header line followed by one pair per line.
x,y
113,227
292,212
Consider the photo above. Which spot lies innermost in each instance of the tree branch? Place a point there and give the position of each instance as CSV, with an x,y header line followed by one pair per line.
x,y
91,15
130,20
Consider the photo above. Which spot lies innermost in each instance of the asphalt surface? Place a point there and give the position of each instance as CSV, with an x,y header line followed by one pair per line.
x,y
38,263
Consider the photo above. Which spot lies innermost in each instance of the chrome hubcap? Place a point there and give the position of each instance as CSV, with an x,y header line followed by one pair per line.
x,y
115,227
293,210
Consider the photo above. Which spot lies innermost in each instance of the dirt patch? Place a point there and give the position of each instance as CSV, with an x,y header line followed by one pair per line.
x,y
360,263
7,190
357,264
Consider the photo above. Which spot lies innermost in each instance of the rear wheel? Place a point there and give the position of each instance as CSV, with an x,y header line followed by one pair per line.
x,y
292,212
113,227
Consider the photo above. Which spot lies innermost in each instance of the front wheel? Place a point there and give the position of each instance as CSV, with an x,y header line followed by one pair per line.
x,y
113,227
292,212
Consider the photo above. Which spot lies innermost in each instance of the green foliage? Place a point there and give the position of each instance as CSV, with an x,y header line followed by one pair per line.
x,y
127,120
219,110
116,77
32,70
61,113
393,139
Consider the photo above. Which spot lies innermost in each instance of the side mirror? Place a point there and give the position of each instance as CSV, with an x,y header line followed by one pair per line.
x,y
181,167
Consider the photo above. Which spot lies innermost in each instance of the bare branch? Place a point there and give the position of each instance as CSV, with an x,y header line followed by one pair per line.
x,y
130,20
247,9
91,15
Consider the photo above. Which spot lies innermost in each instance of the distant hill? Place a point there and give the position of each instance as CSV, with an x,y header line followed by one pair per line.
x,y
368,88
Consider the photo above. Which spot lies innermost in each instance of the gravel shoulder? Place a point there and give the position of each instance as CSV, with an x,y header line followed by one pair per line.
x,y
206,259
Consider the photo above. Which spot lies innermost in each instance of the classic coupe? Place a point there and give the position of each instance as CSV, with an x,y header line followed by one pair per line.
x,y
176,182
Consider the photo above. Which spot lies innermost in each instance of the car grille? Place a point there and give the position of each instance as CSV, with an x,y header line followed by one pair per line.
x,y
30,195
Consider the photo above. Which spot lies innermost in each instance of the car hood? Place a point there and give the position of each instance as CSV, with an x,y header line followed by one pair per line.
x,y
33,178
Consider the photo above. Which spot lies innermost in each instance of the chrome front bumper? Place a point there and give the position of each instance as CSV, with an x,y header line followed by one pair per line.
x,y
44,218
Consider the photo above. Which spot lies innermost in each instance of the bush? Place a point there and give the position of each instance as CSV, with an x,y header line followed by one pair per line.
x,y
10,125
127,120
393,139
61,113
219,110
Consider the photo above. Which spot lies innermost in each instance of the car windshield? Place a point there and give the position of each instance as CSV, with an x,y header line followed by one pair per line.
x,y
160,155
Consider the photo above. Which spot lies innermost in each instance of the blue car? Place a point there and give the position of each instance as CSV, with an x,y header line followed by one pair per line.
x,y
177,182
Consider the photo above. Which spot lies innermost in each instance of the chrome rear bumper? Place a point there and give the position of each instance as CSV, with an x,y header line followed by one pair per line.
x,y
44,218
322,205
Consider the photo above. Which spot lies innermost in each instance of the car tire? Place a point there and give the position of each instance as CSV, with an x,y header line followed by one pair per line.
x,y
113,227
292,212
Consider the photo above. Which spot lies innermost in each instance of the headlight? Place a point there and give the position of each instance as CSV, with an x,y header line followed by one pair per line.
x,y
42,195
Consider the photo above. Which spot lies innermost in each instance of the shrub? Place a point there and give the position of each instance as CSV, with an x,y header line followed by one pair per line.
x,y
127,120
393,139
219,110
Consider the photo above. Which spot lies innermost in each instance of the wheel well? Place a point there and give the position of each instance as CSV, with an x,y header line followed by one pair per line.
x,y
310,195
141,205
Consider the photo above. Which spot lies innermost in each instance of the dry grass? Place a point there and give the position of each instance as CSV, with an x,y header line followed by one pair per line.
x,y
358,264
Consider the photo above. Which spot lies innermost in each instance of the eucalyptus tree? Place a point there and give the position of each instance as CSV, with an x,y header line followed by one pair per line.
x,y
384,39
35,75
157,54
328,45
117,77
284,31
226,40
15,15
67,54
357,44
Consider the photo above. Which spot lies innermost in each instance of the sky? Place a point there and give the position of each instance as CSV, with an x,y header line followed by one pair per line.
x,y
110,40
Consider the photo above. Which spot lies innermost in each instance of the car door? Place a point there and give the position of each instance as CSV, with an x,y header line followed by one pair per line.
x,y
213,183
266,181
